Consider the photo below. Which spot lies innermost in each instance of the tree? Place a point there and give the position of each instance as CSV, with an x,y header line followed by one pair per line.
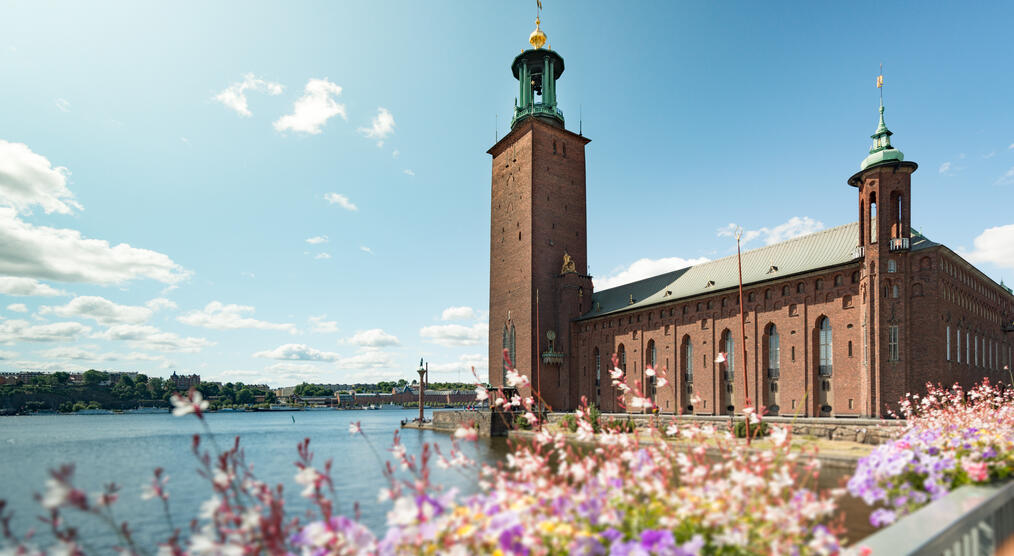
x,y
93,377
61,377
245,396
270,397
141,379
157,387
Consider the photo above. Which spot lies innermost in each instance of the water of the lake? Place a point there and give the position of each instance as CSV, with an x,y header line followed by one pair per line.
x,y
126,448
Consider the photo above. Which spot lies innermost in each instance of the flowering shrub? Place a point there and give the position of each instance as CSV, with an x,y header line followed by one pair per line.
x,y
624,495
952,438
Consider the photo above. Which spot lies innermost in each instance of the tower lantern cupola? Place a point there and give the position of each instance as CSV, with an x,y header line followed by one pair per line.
x,y
537,70
881,151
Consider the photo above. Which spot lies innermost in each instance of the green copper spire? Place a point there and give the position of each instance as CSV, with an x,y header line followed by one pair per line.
x,y
881,151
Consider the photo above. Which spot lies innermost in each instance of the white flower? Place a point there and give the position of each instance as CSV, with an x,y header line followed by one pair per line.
x,y
481,394
209,508
57,493
355,428
183,406
517,379
648,371
616,373
403,513
467,433
307,477
662,382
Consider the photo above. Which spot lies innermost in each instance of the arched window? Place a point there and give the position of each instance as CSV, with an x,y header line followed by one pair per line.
x,y
855,277
825,346
873,217
819,284
785,290
598,367
800,288
774,352
837,280
508,346
622,354
688,359
652,356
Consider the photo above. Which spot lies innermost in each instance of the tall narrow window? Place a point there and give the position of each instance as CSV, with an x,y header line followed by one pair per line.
x,y
873,218
688,358
649,382
730,356
774,352
959,345
598,367
623,358
892,342
825,347
892,265
948,342
975,350
968,348
652,356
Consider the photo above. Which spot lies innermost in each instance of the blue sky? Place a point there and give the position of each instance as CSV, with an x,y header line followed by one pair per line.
x,y
278,192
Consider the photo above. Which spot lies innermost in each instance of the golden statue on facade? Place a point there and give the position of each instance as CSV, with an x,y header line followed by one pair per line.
x,y
568,264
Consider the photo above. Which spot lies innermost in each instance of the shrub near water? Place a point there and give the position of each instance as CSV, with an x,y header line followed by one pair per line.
x,y
952,438
620,497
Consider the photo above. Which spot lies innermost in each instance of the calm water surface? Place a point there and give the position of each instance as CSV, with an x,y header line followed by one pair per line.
x,y
126,448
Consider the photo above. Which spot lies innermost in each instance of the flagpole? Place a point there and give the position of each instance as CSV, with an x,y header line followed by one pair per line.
x,y
742,335
538,359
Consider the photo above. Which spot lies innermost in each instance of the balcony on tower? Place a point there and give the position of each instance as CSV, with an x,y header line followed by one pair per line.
x,y
858,252
899,244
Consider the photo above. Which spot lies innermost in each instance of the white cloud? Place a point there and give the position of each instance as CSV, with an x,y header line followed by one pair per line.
x,y
994,245
945,167
989,155
463,367
28,179
322,256
100,310
1007,178
368,359
11,285
1011,146
297,352
19,330
365,249
395,153
321,326
7,355
234,96
794,227
644,268
62,254
230,317
408,172
313,109
458,313
160,304
62,104
340,200
74,353
17,308
143,336
373,338
456,334
316,239
381,126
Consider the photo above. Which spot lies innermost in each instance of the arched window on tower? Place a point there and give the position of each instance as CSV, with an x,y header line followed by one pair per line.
x,y
774,352
873,217
824,327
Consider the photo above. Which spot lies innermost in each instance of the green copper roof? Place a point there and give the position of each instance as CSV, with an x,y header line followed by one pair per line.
x,y
881,151
826,248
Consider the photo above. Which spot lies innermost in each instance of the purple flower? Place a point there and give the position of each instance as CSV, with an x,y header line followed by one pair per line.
x,y
881,517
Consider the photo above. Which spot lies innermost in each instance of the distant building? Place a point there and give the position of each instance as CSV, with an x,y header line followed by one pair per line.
x,y
184,382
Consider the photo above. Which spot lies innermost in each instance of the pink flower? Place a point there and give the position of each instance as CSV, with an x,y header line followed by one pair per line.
x,y
355,428
481,394
466,433
977,471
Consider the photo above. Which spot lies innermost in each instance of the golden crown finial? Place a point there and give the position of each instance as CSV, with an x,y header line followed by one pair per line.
x,y
537,38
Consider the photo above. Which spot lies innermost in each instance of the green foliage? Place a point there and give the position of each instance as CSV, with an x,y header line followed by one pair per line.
x,y
521,423
61,377
270,397
314,390
95,377
621,425
757,430
570,422
595,416
66,407
245,396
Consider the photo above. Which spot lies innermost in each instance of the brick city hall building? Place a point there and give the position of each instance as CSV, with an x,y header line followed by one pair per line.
x,y
842,322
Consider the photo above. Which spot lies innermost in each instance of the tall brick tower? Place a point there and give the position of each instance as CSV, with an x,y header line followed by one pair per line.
x,y
538,263
885,184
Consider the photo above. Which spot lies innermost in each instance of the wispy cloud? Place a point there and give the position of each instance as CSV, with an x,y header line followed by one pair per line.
x,y
381,126
340,200
365,249
408,172
374,338
220,316
994,245
297,352
312,110
316,239
319,256
451,335
458,313
644,268
1007,178
794,227
62,104
945,167
234,96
